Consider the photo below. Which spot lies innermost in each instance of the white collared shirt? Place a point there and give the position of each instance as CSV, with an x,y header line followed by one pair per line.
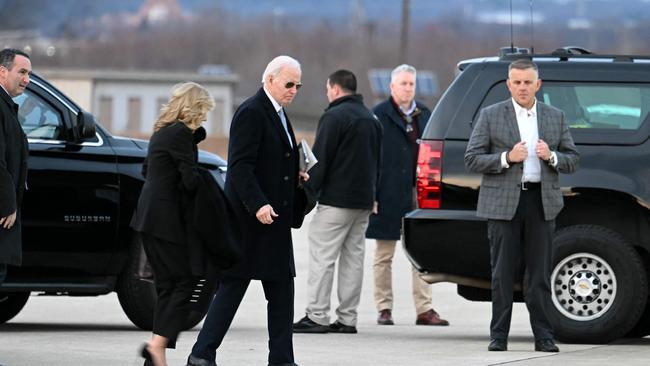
x,y
410,110
278,108
527,123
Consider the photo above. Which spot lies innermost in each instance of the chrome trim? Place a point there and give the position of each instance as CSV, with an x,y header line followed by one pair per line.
x,y
48,142
55,95
61,142
98,143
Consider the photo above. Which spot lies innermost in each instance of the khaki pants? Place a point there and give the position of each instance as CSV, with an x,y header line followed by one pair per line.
x,y
336,233
383,280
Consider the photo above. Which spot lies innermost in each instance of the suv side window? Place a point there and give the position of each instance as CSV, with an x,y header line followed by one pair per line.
x,y
600,106
596,112
38,118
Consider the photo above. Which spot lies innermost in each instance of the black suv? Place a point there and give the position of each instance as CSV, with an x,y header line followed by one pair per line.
x,y
83,185
599,281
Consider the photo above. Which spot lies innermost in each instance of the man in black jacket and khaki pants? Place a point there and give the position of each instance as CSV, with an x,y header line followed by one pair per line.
x,y
348,149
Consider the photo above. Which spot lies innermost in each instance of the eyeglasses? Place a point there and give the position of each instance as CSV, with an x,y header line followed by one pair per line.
x,y
291,84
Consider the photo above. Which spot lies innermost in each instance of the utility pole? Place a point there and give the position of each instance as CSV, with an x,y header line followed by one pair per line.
x,y
404,32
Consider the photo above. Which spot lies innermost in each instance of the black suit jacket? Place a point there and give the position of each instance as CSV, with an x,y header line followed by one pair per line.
x,y
13,174
263,169
170,169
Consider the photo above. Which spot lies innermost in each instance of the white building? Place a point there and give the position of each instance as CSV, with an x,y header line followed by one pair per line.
x,y
128,102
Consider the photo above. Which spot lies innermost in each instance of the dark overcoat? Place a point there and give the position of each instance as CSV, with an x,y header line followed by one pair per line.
x,y
170,171
262,169
13,174
395,195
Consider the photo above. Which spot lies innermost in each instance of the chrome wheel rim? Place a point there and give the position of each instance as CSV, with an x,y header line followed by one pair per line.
x,y
583,286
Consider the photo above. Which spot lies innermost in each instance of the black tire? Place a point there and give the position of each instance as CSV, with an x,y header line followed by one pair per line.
x,y
11,303
642,327
598,285
137,295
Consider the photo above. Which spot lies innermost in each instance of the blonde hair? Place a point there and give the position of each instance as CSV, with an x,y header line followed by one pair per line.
x,y
189,103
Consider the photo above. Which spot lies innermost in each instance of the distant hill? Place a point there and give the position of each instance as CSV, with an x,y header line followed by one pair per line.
x,y
52,17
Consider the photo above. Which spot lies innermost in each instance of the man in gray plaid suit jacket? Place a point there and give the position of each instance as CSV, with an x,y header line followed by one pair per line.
x,y
520,146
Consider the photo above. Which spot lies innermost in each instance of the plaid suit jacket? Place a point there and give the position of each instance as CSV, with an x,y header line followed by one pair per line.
x,y
496,131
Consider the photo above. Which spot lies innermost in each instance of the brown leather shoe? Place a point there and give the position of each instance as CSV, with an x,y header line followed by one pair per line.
x,y
430,318
385,317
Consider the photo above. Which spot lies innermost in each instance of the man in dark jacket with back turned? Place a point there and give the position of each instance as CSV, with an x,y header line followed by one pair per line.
x,y
348,149
15,69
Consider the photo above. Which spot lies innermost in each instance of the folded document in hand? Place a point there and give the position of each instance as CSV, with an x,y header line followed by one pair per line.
x,y
307,157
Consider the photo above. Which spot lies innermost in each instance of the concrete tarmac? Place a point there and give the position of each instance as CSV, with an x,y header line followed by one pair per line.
x,y
70,331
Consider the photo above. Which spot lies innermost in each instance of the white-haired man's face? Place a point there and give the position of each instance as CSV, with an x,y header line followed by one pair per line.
x,y
402,88
284,86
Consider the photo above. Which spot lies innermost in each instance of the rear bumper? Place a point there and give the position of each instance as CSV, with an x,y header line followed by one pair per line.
x,y
449,242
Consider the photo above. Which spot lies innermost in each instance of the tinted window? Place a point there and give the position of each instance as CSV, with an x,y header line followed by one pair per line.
x,y
38,118
598,106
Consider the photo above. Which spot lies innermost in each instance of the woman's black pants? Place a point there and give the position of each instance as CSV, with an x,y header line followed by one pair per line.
x,y
174,285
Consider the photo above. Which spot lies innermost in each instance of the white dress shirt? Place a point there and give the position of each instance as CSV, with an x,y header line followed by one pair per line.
x,y
279,110
527,123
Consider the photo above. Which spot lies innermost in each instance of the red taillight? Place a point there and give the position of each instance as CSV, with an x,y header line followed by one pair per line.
x,y
428,174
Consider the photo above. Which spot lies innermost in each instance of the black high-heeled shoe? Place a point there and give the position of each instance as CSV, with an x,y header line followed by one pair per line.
x,y
144,352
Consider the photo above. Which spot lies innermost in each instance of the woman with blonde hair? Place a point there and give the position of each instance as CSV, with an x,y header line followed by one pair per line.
x,y
170,172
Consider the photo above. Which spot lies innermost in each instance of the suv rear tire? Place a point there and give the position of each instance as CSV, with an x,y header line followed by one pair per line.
x,y
598,285
11,303
137,295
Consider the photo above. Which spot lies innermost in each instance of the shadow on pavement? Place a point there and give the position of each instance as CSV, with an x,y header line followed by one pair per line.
x,y
49,327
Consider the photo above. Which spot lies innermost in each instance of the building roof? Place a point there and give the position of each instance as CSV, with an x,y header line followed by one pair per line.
x,y
136,75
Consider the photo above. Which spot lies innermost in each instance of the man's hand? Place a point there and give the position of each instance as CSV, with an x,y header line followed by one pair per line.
x,y
266,214
542,150
375,207
518,153
303,176
8,221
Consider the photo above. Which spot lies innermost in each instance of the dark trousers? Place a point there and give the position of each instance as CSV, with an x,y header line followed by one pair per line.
x,y
279,296
174,285
529,235
3,273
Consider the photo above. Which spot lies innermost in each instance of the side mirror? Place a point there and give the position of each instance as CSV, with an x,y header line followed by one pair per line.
x,y
85,125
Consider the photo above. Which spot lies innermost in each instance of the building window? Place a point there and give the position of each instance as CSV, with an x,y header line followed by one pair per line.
x,y
106,111
135,114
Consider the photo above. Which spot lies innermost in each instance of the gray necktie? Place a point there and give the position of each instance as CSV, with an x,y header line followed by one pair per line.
x,y
283,118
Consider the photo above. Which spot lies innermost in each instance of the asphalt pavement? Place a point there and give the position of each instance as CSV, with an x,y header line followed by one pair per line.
x,y
70,331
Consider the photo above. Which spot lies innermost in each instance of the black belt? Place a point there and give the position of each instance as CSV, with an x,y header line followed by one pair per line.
x,y
530,185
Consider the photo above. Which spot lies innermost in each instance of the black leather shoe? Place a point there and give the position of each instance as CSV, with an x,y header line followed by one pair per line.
x,y
338,327
306,325
144,352
546,345
498,344
195,361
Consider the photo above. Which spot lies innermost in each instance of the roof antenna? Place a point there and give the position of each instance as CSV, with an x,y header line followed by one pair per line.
x,y
532,47
512,38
